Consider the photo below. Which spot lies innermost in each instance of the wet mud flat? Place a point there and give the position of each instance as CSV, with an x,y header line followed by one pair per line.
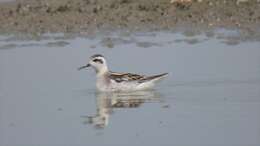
x,y
66,16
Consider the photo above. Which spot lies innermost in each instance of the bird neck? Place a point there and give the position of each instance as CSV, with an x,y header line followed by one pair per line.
x,y
102,71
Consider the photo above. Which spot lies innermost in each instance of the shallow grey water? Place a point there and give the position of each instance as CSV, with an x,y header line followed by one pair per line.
x,y
211,97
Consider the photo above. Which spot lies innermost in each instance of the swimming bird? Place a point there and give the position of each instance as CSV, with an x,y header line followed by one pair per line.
x,y
109,81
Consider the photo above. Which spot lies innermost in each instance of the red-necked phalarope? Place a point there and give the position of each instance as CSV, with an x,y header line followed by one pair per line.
x,y
111,81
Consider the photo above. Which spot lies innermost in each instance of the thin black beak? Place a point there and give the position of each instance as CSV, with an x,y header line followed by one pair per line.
x,y
85,66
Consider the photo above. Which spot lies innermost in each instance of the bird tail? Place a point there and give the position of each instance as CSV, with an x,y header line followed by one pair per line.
x,y
154,78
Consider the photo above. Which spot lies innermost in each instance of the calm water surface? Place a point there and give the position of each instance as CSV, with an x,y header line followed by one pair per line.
x,y
211,97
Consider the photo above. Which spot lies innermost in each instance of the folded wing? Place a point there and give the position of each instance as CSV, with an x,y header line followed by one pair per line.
x,y
121,77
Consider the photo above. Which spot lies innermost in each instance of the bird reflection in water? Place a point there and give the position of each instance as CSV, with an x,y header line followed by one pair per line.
x,y
106,102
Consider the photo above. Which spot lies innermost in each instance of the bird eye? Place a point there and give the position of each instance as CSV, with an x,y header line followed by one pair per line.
x,y
98,61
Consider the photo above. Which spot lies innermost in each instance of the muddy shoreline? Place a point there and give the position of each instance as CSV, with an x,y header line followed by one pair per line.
x,y
48,16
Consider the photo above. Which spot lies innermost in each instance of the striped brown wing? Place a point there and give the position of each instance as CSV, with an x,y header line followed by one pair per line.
x,y
120,77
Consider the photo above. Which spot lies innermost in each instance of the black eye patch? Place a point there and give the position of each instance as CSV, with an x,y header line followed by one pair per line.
x,y
98,61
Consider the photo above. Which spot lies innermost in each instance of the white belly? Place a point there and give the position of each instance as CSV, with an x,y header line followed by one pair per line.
x,y
103,85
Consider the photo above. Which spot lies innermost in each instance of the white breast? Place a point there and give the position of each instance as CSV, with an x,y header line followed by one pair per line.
x,y
102,84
